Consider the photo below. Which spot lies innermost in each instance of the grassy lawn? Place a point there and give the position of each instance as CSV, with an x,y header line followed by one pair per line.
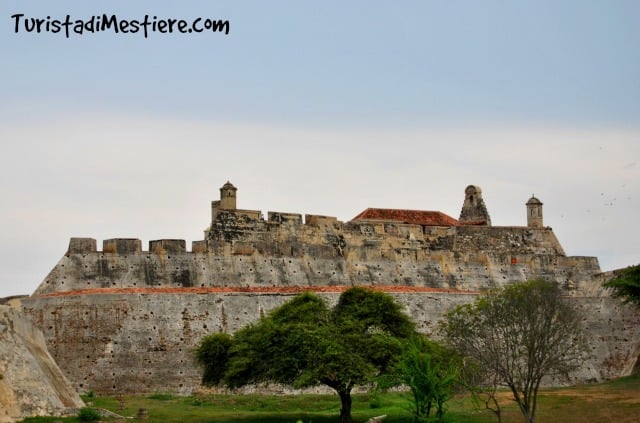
x,y
617,401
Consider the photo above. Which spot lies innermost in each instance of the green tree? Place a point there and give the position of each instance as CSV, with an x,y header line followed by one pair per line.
x,y
626,284
214,348
431,371
305,343
519,335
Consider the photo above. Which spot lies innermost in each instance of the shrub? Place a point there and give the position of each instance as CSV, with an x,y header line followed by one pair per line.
x,y
88,414
375,402
161,396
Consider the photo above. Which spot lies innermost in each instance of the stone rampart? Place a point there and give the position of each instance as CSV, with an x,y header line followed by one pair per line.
x,y
283,252
126,320
142,340
31,384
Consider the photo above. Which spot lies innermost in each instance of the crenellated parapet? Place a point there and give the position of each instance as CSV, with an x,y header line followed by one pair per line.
x,y
379,247
284,251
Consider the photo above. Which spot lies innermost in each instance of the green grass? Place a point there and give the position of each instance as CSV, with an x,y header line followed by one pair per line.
x,y
256,408
617,401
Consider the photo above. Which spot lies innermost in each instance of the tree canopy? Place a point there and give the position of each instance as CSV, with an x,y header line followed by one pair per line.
x,y
626,284
305,343
517,336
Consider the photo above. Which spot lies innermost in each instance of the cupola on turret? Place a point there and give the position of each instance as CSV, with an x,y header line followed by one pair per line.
x,y
227,200
534,212
228,196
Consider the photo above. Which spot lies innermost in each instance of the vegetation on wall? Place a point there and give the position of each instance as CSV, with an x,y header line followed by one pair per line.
x,y
626,285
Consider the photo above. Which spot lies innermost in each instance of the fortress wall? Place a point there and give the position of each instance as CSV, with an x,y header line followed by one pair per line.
x,y
369,265
31,384
507,239
139,342
291,238
126,320
142,341
614,337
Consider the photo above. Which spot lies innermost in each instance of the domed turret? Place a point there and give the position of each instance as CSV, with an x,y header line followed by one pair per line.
x,y
534,212
228,196
227,201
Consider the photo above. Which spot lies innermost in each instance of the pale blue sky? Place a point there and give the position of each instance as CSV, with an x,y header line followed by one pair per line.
x,y
319,107
394,63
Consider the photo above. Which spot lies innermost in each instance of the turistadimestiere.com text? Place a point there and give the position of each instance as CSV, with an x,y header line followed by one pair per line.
x,y
69,26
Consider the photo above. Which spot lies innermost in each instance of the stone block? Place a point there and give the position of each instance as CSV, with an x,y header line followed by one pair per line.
x,y
199,247
280,217
318,220
122,246
82,246
172,246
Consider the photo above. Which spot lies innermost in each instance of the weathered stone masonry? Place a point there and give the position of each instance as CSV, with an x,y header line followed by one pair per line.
x,y
126,320
31,384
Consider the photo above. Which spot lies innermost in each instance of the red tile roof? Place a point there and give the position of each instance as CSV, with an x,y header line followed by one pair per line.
x,y
413,217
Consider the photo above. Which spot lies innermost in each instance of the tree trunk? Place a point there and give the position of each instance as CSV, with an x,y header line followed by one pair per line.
x,y
345,408
526,412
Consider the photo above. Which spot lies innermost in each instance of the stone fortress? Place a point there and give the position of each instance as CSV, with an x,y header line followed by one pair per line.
x,y
127,320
